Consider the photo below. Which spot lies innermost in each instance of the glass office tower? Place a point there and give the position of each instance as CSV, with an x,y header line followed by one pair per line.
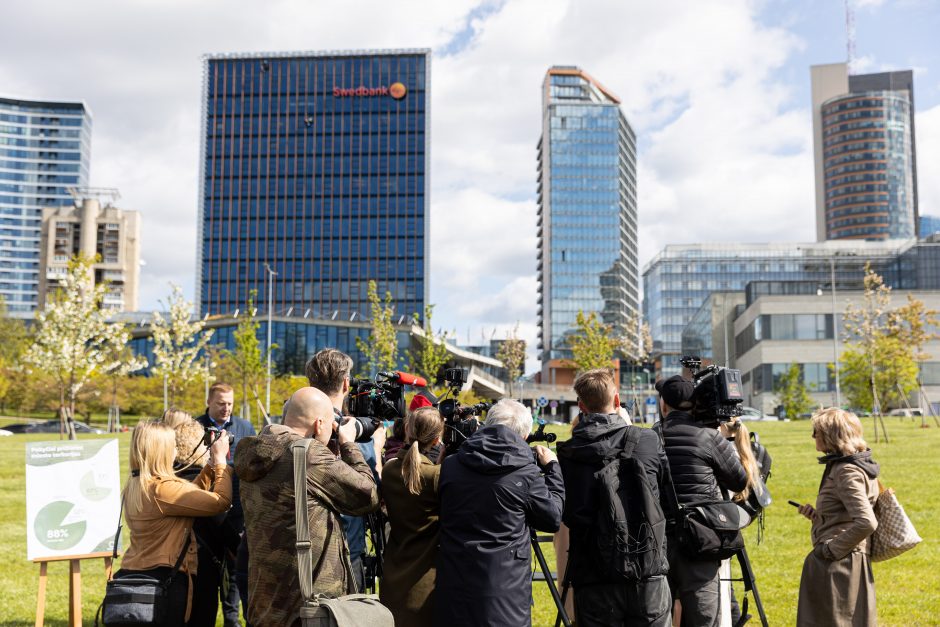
x,y
314,165
587,221
45,149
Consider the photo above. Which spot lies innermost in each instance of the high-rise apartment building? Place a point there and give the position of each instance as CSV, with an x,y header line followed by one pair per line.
x,y
587,220
103,232
45,149
315,173
864,150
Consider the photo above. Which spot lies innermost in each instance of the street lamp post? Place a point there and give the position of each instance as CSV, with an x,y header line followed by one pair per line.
x,y
270,276
835,330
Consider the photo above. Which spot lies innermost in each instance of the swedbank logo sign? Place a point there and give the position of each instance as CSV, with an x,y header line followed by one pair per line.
x,y
395,90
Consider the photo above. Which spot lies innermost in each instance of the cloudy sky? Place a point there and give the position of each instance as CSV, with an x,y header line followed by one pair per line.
x,y
717,91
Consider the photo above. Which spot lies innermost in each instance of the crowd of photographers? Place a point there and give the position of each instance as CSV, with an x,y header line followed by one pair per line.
x,y
210,505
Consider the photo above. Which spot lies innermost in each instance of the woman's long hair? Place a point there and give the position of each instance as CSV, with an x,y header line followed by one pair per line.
x,y
153,448
422,428
742,444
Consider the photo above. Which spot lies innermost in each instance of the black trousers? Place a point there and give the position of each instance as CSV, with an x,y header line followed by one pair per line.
x,y
206,590
644,603
695,585
177,593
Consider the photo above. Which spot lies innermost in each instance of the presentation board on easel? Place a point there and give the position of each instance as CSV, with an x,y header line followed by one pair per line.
x,y
73,499
73,495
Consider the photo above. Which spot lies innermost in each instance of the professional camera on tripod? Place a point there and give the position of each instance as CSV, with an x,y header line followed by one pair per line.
x,y
371,402
718,393
460,421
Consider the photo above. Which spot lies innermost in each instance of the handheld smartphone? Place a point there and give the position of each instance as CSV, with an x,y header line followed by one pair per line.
x,y
794,504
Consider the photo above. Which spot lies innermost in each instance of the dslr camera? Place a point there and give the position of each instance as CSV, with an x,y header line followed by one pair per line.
x,y
211,434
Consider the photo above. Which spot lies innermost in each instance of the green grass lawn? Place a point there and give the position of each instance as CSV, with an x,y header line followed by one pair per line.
x,y
908,587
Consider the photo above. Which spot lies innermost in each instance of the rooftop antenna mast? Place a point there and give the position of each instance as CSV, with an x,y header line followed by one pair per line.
x,y
850,36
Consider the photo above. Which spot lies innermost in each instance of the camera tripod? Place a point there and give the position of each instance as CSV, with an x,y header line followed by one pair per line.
x,y
747,577
547,574
372,564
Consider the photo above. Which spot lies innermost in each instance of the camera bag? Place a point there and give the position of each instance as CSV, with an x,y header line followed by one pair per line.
x,y
136,599
351,610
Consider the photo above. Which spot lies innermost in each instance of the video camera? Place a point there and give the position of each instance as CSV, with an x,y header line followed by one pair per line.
x,y
717,396
460,421
371,402
539,435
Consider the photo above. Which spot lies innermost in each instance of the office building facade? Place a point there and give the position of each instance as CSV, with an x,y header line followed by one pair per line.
x,y
928,225
679,279
45,149
587,216
865,154
94,228
315,174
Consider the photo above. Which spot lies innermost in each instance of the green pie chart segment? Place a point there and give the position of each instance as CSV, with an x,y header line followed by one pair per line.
x,y
90,490
52,532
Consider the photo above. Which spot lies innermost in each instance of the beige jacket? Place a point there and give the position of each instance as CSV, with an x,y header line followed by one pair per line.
x,y
158,530
844,515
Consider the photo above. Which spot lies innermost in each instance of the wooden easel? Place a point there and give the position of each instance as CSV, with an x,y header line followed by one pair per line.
x,y
75,584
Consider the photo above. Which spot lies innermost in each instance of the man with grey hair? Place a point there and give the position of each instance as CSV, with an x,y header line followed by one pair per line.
x,y
492,492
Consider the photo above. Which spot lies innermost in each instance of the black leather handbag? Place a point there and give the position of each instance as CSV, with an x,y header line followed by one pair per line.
x,y
137,599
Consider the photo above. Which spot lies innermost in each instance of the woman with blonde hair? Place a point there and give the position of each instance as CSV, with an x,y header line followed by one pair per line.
x,y
159,508
410,489
736,431
837,587
175,417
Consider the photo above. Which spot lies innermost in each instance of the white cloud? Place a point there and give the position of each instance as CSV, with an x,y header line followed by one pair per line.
x,y
723,153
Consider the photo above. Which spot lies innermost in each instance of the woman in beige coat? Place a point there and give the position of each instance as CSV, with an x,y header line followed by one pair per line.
x,y
409,486
837,587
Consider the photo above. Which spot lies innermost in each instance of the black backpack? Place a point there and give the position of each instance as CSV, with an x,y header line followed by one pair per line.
x,y
629,525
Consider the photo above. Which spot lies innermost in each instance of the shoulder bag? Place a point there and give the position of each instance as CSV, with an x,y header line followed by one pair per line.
x,y
136,599
895,533
706,530
351,610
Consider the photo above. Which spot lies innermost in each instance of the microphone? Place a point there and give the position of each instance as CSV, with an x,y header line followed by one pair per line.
x,y
405,379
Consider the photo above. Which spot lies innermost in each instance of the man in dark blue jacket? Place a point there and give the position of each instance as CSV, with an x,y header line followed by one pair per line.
x,y
603,597
493,491
219,415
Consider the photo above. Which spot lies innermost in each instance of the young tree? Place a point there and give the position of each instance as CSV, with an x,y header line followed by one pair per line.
x,y
792,393
592,343
122,363
73,337
381,349
248,359
178,343
433,353
884,345
512,353
636,340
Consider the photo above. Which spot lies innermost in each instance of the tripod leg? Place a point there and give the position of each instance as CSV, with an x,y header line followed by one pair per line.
x,y
543,565
747,575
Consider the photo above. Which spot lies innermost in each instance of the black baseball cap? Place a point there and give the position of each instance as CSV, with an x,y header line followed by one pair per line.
x,y
676,392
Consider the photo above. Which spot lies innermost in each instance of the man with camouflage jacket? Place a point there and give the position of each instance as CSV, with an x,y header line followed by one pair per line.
x,y
335,486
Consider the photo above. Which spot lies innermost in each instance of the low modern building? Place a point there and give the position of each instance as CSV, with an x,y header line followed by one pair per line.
x,y
95,228
709,334
298,336
775,331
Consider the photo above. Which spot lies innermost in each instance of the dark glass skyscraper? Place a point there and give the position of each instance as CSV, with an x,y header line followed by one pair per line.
x,y
587,223
45,148
314,165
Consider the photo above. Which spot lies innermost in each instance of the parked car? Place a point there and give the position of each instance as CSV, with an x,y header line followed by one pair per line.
x,y
49,426
750,413
904,412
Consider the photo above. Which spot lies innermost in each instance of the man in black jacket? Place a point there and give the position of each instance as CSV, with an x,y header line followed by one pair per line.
x,y
702,464
492,492
604,598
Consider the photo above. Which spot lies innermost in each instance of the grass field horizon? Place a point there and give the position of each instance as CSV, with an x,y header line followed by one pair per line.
x,y
908,587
